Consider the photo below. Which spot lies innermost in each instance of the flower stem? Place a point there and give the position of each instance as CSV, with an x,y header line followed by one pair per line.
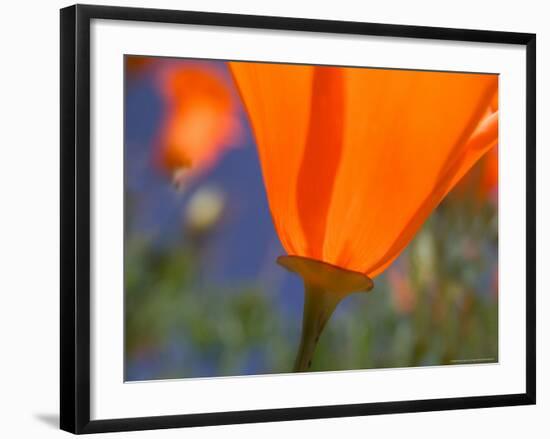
x,y
318,307
325,285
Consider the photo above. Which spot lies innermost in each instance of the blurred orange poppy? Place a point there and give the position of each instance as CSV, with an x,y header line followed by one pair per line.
x,y
489,180
137,64
403,297
201,122
354,160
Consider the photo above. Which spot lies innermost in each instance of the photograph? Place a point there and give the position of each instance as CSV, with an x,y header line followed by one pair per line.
x,y
283,218
275,219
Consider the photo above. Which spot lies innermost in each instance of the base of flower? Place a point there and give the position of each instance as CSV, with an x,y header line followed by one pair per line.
x,y
179,178
325,285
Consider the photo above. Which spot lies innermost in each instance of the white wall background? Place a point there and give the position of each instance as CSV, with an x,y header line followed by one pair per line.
x,y
29,206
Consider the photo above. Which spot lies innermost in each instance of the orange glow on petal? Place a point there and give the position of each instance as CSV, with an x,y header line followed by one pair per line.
x,y
201,119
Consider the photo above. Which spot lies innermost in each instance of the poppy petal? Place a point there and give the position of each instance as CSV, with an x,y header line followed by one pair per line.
x,y
277,98
405,144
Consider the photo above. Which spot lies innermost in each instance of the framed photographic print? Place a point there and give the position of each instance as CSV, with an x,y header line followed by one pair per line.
x,y
268,218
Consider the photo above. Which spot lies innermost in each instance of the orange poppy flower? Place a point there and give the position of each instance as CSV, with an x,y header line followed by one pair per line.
x,y
202,120
354,160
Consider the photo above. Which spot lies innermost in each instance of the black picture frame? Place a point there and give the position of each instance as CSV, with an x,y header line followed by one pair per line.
x,y
76,210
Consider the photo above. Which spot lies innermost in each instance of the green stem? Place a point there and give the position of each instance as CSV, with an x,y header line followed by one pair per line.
x,y
318,307
325,285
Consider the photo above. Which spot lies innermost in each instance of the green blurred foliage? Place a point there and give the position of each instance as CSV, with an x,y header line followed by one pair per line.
x,y
436,305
